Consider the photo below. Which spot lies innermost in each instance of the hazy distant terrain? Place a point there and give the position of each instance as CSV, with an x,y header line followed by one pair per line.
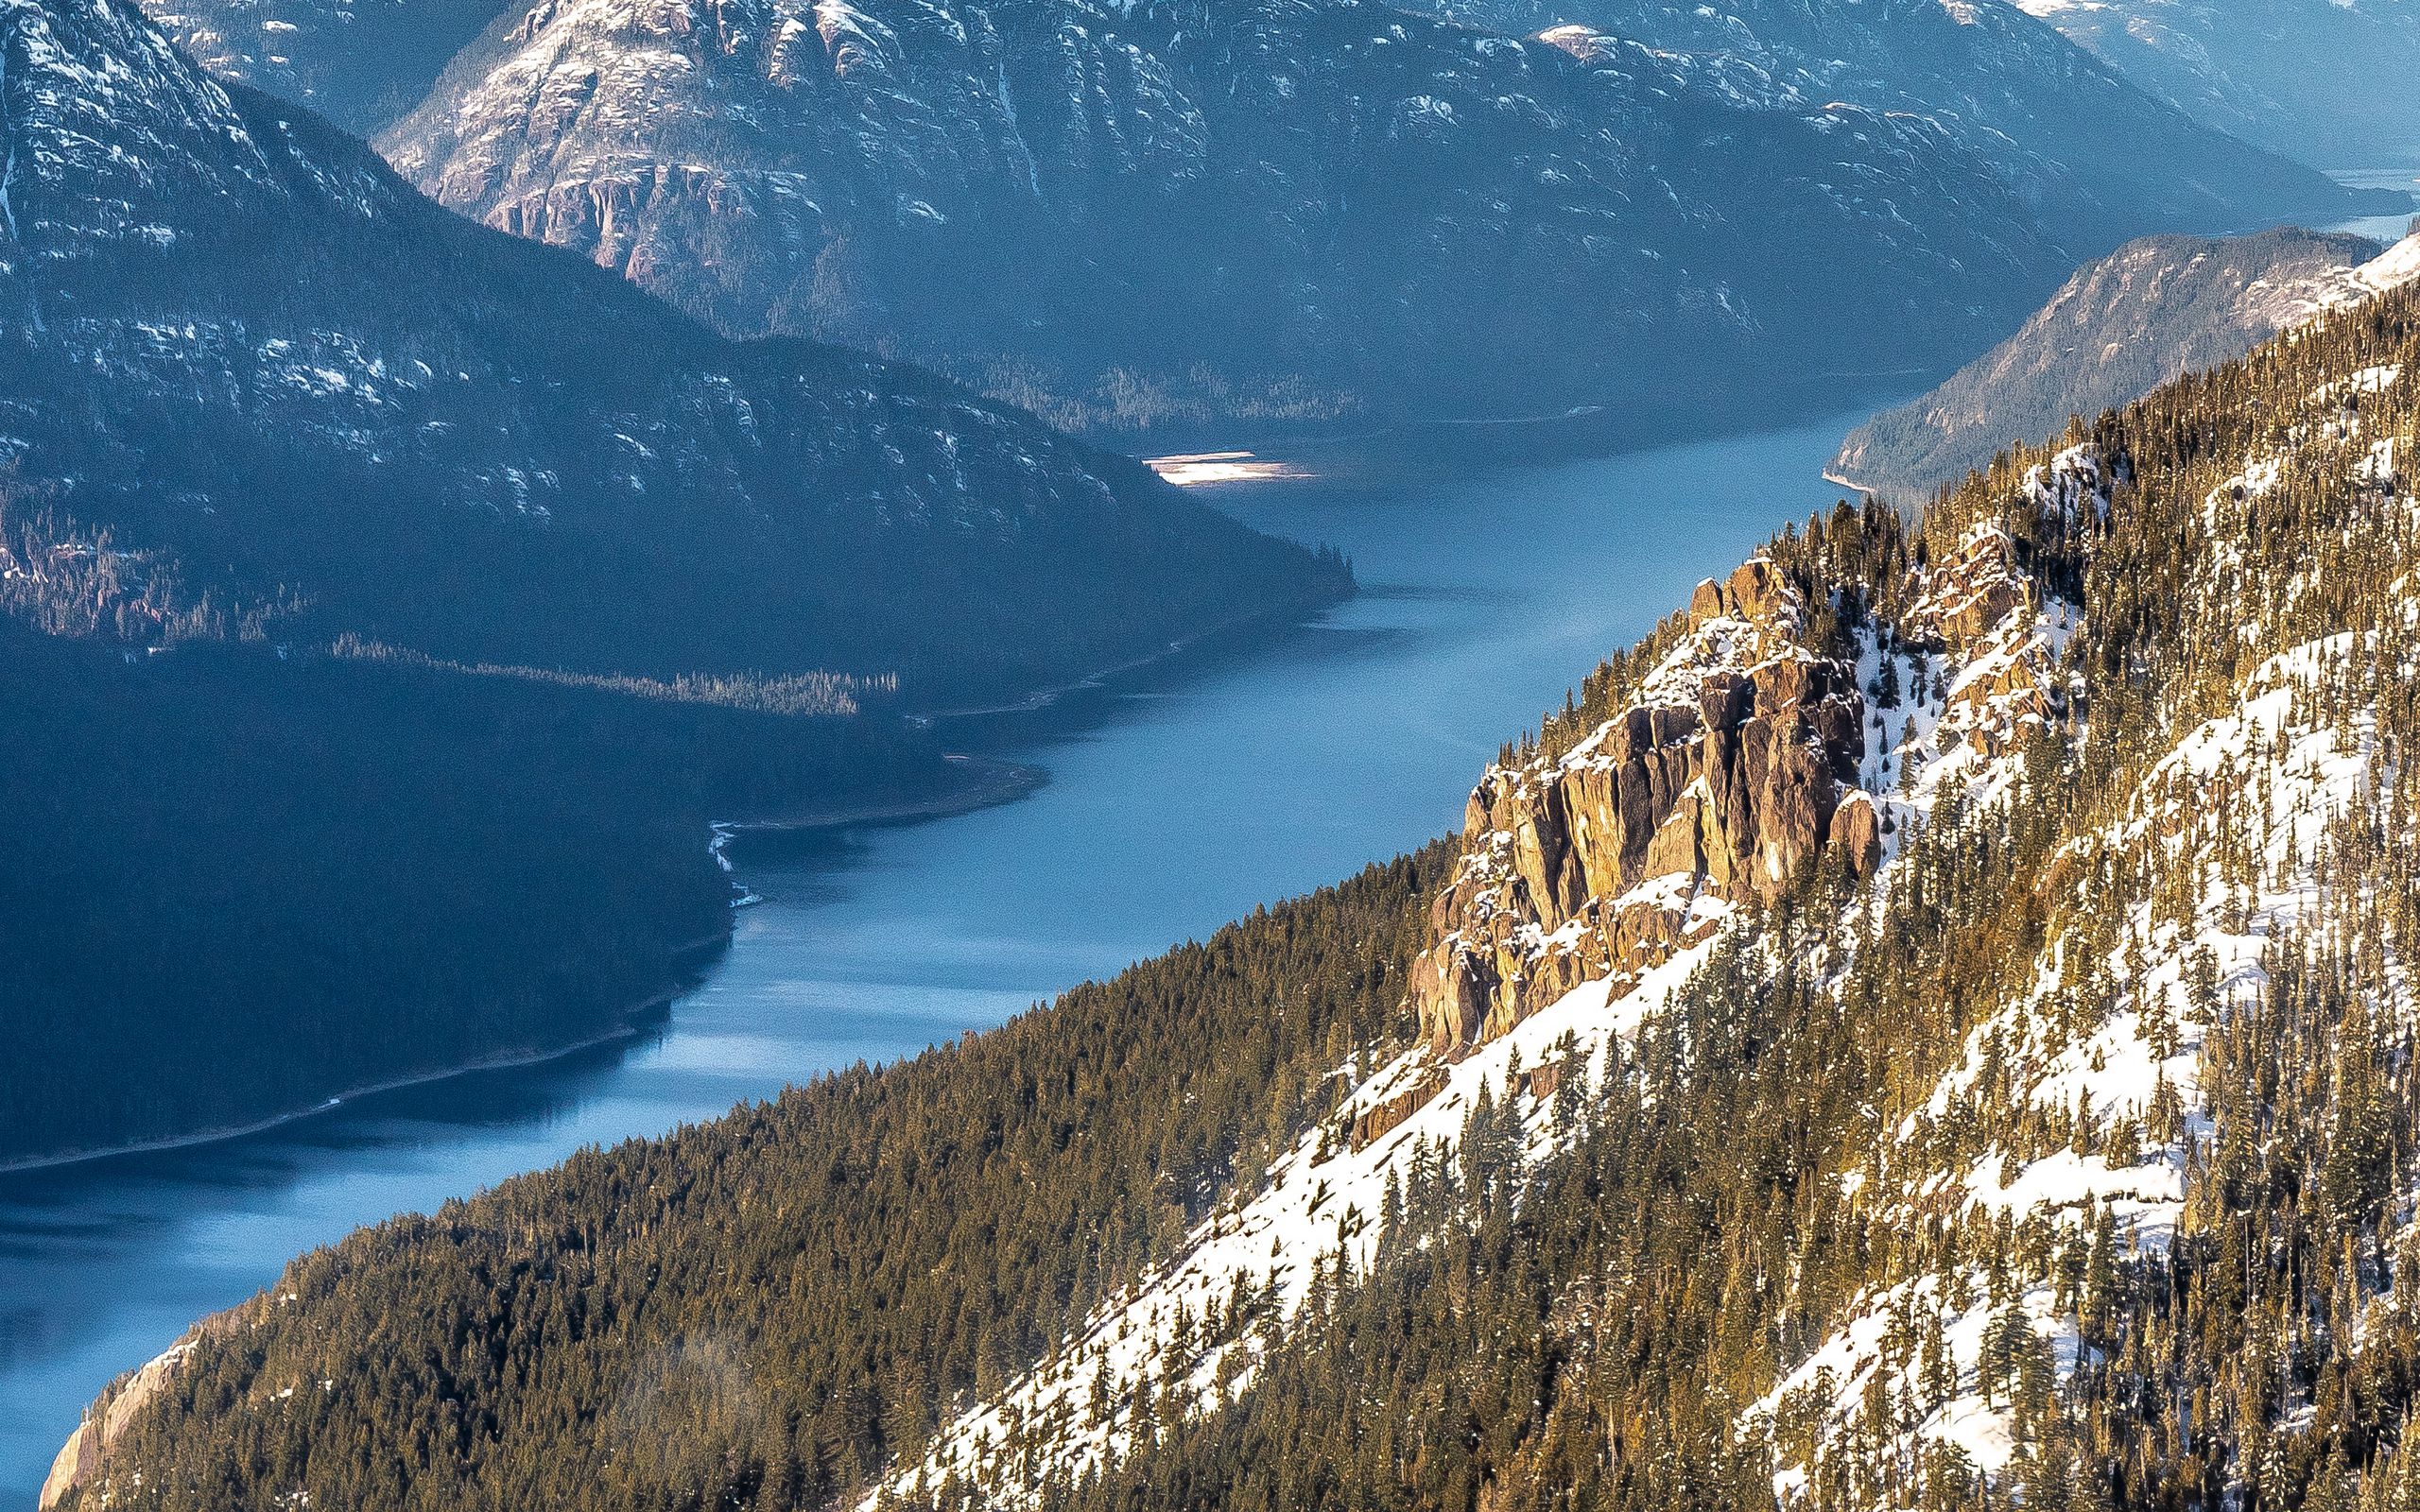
x,y
1225,210
2123,325
2327,80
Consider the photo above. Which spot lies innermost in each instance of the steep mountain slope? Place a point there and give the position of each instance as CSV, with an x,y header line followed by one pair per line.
x,y
2149,312
1929,1027
301,400
1131,215
2097,158
2327,80
361,63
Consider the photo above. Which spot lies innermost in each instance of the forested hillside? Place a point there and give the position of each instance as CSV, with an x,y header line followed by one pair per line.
x,y
238,885
766,1310
1930,1028
302,401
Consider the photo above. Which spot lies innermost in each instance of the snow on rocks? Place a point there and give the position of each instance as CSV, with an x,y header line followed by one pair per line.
x,y
2127,1071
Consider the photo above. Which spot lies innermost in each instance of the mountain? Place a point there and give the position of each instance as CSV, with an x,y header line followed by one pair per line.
x,y
1131,216
2151,311
389,606
2097,158
2326,80
360,63
287,397
1928,1027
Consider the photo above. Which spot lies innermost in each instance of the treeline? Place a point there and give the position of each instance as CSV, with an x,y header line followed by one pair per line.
x,y
809,694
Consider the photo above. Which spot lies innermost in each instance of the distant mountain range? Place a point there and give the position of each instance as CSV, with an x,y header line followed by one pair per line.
x,y
276,393
2094,157
2328,80
1221,210
2124,324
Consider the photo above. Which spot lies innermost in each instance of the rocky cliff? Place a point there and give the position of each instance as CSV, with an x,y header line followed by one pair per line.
x,y
1756,747
1735,766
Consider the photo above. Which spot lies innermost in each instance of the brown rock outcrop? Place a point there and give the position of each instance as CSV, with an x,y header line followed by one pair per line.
x,y
1377,1123
1727,773
84,1456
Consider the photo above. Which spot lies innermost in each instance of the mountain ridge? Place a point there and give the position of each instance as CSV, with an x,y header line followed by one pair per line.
x,y
2149,312
1132,217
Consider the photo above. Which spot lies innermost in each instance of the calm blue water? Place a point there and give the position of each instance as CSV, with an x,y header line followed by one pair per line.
x,y
1175,803
2384,228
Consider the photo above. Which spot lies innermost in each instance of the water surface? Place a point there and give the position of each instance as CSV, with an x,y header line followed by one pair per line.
x,y
2387,229
1178,800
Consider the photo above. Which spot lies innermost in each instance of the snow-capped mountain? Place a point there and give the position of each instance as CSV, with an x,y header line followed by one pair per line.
x,y
2327,80
1128,215
2151,311
1275,210
2097,158
286,395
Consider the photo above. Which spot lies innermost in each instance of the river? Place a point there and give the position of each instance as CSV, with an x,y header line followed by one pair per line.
x,y
1178,799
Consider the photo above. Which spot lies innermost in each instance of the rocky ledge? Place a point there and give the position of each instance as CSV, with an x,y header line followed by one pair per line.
x,y
1750,753
1735,766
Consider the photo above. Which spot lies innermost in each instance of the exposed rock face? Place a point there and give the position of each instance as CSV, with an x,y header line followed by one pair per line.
x,y
1376,1124
2122,326
82,1457
1734,769
1743,758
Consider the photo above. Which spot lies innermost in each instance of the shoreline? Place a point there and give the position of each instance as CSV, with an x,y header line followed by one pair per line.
x,y
1002,781
633,1025
1006,783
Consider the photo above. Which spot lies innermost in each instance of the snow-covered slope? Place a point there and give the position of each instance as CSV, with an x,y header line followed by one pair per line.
x,y
1593,883
2098,1109
2184,1022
